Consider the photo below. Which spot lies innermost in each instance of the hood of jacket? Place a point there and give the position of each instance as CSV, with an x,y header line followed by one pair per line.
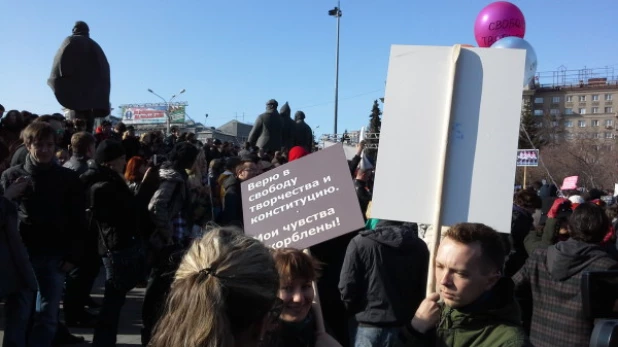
x,y
568,258
166,172
495,306
393,234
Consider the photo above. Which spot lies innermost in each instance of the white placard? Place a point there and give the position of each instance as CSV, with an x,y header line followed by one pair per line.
x,y
482,144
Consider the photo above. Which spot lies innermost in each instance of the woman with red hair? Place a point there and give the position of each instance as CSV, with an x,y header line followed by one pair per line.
x,y
134,173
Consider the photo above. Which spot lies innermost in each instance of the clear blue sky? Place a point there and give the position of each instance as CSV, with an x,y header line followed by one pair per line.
x,y
232,56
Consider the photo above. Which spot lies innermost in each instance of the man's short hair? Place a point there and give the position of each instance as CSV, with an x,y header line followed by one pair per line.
x,y
492,243
81,142
120,127
527,199
588,223
37,131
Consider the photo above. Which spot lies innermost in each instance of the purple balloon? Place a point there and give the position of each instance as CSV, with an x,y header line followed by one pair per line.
x,y
497,20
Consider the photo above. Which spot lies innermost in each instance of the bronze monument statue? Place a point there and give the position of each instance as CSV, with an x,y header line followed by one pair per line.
x,y
268,128
80,77
303,135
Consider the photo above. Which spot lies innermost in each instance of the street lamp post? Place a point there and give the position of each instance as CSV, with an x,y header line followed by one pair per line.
x,y
168,107
336,12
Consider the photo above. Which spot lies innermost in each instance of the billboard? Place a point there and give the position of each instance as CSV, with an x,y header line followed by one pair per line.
x,y
152,114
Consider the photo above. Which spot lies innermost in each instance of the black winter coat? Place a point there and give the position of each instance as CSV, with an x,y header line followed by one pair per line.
x,y
384,274
232,213
79,165
52,213
521,224
114,209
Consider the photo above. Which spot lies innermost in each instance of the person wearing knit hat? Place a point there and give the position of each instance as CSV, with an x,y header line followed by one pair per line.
x,y
108,150
114,219
297,152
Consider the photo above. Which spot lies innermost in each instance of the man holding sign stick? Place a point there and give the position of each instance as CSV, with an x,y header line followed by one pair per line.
x,y
478,303
473,98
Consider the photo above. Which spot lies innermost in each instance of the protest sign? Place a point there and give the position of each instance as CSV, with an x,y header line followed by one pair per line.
x,y
570,183
527,157
302,203
484,129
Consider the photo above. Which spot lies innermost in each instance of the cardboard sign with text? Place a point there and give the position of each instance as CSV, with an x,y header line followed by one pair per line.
x,y
302,203
484,129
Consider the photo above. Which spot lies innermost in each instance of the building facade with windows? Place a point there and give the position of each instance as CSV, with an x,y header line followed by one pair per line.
x,y
577,104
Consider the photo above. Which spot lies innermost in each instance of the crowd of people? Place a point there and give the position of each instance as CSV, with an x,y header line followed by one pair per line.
x,y
165,212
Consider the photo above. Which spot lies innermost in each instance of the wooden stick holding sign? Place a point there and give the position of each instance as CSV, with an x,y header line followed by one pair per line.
x,y
437,225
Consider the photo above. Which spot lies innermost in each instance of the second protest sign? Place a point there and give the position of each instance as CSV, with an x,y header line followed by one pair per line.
x,y
302,203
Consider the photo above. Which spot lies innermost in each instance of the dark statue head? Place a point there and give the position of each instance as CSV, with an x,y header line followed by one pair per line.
x,y
81,28
271,104
285,110
299,115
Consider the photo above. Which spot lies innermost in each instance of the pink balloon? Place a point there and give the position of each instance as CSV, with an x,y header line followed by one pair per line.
x,y
497,20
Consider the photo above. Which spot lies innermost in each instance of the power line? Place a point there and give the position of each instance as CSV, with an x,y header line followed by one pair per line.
x,y
342,99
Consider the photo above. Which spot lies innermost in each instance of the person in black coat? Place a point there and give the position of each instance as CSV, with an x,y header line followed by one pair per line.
x,y
80,76
232,213
114,220
52,224
383,279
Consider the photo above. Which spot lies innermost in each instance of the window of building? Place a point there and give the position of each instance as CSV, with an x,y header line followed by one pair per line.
x,y
595,97
609,110
598,135
569,98
608,97
609,122
594,123
568,124
538,112
554,112
582,98
582,111
581,123
538,100
609,135
595,110
555,100
568,111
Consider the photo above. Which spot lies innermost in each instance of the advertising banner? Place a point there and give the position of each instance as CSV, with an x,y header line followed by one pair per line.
x,y
302,203
152,114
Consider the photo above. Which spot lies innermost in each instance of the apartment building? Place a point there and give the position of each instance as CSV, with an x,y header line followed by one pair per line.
x,y
577,105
